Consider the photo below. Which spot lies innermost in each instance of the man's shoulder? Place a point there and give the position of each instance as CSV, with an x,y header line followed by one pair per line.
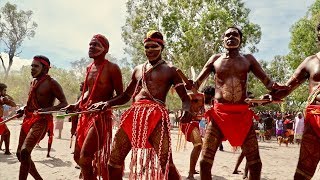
x,y
216,56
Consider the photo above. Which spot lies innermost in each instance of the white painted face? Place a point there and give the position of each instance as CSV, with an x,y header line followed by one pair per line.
x,y
36,68
152,50
231,39
95,48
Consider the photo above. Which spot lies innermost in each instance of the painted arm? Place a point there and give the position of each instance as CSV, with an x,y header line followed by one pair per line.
x,y
206,70
299,76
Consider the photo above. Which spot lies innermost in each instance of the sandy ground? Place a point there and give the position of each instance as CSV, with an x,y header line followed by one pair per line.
x,y
278,162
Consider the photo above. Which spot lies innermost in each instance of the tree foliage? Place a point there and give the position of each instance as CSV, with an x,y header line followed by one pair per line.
x,y
303,41
15,26
19,83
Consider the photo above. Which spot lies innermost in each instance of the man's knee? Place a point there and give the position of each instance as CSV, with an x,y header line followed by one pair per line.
x,y
205,165
85,161
255,166
24,155
197,147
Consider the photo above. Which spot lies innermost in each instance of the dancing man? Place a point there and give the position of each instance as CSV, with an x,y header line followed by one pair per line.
x,y
145,126
192,132
4,130
43,92
230,116
94,130
310,144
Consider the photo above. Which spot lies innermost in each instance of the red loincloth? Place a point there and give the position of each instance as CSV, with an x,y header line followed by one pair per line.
x,y
86,121
3,127
31,118
147,114
234,121
187,128
313,117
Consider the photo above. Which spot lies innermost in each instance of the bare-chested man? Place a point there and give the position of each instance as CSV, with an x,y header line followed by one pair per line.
x,y
231,117
43,92
4,131
94,130
145,126
192,132
310,143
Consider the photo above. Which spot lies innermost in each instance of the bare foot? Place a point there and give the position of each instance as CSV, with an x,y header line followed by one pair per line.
x,y
7,153
190,177
48,155
236,172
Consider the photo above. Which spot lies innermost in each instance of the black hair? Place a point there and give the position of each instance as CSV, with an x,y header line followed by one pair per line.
x,y
318,27
234,27
208,90
2,86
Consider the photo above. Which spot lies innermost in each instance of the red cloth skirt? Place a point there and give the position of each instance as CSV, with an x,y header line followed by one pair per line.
x,y
3,127
187,128
234,120
87,120
140,119
31,118
313,117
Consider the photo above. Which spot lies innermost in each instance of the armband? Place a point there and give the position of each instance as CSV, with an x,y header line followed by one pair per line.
x,y
177,85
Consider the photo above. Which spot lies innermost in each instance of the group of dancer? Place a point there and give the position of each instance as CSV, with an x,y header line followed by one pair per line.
x,y
145,126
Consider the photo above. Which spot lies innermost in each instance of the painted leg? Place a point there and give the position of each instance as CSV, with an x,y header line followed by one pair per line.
x,y
165,151
240,158
120,148
212,141
195,153
309,155
33,136
251,152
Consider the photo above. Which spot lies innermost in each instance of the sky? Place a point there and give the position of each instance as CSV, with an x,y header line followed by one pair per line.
x,y
65,27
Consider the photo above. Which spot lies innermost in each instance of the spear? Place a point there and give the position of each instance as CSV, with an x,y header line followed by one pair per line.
x,y
9,119
89,111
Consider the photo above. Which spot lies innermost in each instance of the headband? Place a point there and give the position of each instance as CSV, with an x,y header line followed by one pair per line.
x,y
103,40
42,61
150,38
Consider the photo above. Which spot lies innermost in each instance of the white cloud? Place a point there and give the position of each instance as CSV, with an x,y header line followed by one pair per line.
x,y
66,27
275,19
17,62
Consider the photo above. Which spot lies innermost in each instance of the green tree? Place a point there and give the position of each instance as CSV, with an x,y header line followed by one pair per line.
x,y
15,26
192,28
303,41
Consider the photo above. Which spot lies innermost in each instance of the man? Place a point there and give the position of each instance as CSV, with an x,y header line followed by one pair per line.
x,y
4,131
74,119
192,132
231,117
299,127
310,144
279,126
261,126
43,92
146,123
94,130
208,92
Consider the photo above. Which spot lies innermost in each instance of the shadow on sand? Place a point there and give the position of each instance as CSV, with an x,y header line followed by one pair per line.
x,y
55,162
